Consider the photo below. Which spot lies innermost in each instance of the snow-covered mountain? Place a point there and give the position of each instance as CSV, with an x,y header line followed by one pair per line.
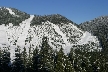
x,y
98,27
21,29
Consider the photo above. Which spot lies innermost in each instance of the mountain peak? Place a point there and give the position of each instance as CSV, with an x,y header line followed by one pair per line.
x,y
24,30
54,18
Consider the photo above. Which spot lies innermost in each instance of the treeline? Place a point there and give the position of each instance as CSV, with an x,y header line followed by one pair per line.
x,y
6,17
53,18
98,27
47,59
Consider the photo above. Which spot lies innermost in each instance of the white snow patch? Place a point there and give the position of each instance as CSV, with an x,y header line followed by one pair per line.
x,y
10,11
87,37
26,26
3,38
14,33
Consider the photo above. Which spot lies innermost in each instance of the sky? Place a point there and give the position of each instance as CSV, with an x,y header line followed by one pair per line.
x,y
78,11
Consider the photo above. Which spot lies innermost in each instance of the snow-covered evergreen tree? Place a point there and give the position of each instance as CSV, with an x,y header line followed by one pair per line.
x,y
36,60
60,61
5,63
46,53
17,65
68,65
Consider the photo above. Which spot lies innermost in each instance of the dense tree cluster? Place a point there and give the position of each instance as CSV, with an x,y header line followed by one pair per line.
x,y
79,59
53,18
48,60
6,17
99,28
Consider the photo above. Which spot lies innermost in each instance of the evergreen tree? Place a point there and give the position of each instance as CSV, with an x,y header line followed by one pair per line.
x,y
46,56
5,64
36,60
0,59
24,58
68,66
29,60
71,55
17,65
60,61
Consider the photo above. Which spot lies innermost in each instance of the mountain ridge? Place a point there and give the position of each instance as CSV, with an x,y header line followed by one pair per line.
x,y
98,27
22,29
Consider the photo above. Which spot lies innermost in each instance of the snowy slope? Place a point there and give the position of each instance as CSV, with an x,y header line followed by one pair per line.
x,y
57,29
10,34
3,34
23,35
59,35
20,36
87,37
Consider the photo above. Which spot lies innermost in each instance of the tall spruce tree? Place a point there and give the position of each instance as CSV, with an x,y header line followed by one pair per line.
x,y
60,61
36,60
24,58
5,62
46,56
68,65
0,59
17,65
71,55
29,59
